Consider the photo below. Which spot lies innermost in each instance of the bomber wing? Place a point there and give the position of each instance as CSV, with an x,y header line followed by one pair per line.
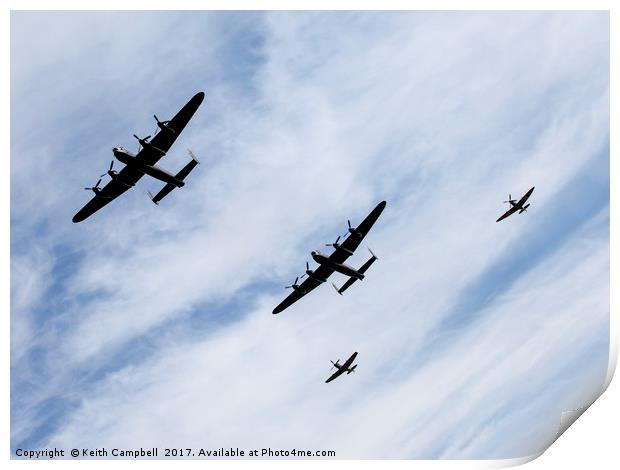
x,y
354,239
164,139
311,283
108,193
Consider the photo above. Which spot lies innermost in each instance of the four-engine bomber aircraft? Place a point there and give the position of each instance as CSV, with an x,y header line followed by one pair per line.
x,y
516,205
144,162
335,262
346,367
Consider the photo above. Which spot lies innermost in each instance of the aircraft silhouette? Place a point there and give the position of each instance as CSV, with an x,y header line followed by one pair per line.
x,y
334,262
144,162
341,369
516,205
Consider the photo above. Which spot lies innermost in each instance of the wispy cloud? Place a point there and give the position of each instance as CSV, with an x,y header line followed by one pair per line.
x,y
469,332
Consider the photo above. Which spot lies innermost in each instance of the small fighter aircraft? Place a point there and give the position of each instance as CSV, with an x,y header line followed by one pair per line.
x,y
341,369
516,205
334,262
144,162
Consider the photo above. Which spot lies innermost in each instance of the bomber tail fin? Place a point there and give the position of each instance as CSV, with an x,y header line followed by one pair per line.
x,y
181,175
337,288
191,154
150,194
361,270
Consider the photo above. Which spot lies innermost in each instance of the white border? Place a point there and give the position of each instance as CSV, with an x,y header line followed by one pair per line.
x,y
589,442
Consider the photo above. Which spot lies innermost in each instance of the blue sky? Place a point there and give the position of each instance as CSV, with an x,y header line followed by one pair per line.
x,y
147,326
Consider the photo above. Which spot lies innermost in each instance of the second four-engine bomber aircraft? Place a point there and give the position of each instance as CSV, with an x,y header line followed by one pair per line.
x,y
335,262
143,163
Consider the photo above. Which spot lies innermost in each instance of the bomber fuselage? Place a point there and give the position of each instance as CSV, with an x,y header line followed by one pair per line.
x,y
124,156
339,267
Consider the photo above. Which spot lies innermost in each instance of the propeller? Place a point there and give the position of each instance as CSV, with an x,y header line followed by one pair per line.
x,y
292,286
163,124
335,244
142,141
94,188
334,363
308,271
350,228
109,170
510,199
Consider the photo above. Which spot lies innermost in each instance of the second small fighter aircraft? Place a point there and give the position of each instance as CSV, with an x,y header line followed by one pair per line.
x,y
516,205
341,369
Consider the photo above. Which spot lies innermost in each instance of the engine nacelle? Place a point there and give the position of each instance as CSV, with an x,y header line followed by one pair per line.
x,y
297,288
355,232
117,177
164,125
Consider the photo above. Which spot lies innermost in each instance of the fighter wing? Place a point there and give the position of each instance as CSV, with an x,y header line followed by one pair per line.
x,y
354,239
336,374
349,361
510,211
322,272
525,197
164,139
